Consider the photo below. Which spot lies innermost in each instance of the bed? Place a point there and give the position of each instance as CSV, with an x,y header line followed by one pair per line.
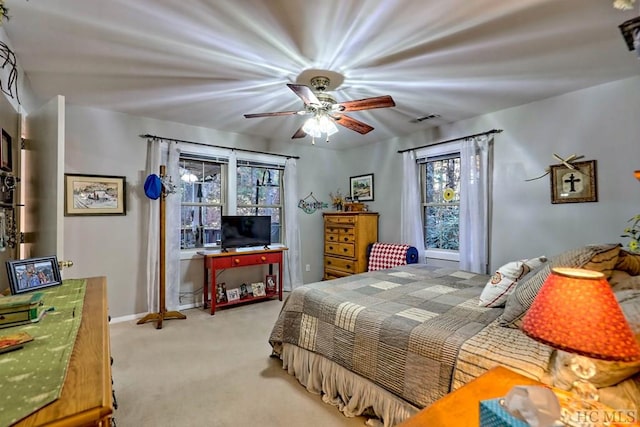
x,y
387,343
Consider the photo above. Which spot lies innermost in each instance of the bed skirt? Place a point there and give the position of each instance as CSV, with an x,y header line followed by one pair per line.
x,y
352,394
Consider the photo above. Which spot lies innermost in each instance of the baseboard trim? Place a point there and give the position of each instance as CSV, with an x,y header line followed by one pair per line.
x,y
137,316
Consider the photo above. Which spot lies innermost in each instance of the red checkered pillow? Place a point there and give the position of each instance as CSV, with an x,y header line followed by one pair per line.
x,y
387,255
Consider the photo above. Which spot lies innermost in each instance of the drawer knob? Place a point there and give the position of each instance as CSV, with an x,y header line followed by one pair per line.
x,y
348,266
345,250
331,247
328,262
237,260
346,239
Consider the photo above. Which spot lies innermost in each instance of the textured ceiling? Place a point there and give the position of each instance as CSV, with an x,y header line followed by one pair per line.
x,y
207,62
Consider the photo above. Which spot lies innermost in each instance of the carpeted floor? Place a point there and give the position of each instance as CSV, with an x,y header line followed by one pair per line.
x,y
212,371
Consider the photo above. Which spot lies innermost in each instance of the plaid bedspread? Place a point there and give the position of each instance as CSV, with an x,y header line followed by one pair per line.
x,y
401,328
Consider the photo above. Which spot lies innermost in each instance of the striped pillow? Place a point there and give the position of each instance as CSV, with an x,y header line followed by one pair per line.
x,y
628,262
596,257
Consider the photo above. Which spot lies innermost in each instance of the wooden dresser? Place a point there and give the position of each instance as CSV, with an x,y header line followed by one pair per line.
x,y
86,398
346,236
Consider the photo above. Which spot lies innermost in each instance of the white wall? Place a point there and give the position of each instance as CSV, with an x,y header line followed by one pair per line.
x,y
108,143
600,123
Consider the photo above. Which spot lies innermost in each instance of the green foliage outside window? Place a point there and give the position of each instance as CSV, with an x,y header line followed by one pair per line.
x,y
442,213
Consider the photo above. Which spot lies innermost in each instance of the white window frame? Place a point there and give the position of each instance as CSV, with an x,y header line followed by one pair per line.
x,y
229,189
421,156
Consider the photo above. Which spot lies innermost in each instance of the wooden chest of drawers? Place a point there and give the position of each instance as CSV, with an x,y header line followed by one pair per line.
x,y
346,236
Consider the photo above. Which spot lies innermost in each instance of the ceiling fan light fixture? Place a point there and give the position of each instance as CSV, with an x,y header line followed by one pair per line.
x,y
318,125
312,127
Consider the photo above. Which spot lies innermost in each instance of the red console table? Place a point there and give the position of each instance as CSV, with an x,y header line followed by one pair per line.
x,y
224,260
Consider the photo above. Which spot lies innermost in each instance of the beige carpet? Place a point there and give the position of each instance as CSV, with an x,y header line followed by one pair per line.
x,y
212,371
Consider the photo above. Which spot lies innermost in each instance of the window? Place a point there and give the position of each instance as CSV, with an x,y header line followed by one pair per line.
x,y
203,201
259,192
440,176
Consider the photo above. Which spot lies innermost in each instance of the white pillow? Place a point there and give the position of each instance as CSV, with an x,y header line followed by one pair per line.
x,y
504,281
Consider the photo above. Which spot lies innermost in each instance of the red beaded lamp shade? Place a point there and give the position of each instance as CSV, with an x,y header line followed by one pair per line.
x,y
576,311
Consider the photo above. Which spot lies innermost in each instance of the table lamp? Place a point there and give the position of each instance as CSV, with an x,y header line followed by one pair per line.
x,y
576,311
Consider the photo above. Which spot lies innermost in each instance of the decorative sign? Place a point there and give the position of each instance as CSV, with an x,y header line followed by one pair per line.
x,y
448,194
310,204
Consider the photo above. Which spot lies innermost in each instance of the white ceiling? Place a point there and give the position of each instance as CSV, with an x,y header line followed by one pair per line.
x,y
207,62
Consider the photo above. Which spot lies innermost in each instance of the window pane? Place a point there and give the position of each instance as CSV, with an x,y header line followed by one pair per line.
x,y
201,181
441,216
442,227
200,226
275,219
259,193
443,174
202,203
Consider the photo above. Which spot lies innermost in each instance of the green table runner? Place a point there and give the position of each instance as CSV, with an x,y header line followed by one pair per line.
x,y
32,377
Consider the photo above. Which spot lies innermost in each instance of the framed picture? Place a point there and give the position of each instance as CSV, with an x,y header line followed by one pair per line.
x,y
233,294
361,188
245,292
574,185
258,289
270,284
6,162
94,195
34,273
221,293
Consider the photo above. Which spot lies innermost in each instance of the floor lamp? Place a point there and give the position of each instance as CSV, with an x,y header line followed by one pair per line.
x,y
162,309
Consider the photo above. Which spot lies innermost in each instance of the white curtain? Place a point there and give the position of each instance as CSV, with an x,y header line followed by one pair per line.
x,y
476,159
163,153
410,211
293,264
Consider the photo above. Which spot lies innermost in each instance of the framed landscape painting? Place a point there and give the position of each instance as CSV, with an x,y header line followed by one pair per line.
x,y
361,188
94,195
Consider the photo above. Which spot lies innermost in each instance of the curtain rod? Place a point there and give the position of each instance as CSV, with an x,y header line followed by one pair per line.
x,y
217,146
489,132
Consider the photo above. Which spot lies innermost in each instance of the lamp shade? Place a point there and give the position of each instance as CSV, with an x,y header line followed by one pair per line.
x,y
576,311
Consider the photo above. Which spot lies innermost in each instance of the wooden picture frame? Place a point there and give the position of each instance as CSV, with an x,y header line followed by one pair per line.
x,y
94,195
6,153
361,188
574,185
27,275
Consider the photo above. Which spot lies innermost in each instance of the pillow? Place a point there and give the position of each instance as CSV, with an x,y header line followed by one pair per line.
x,y
618,276
519,301
629,262
605,261
504,280
607,373
624,395
631,282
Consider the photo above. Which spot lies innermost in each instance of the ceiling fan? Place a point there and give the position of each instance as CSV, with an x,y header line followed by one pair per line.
x,y
326,111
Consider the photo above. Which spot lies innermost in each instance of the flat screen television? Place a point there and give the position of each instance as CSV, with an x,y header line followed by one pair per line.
x,y
243,231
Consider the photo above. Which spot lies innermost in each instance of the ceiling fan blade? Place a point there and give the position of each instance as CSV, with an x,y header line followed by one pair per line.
x,y
305,93
368,103
278,113
353,124
299,133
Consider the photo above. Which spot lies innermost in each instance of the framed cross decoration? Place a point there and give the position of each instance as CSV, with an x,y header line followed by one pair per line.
x,y
574,185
